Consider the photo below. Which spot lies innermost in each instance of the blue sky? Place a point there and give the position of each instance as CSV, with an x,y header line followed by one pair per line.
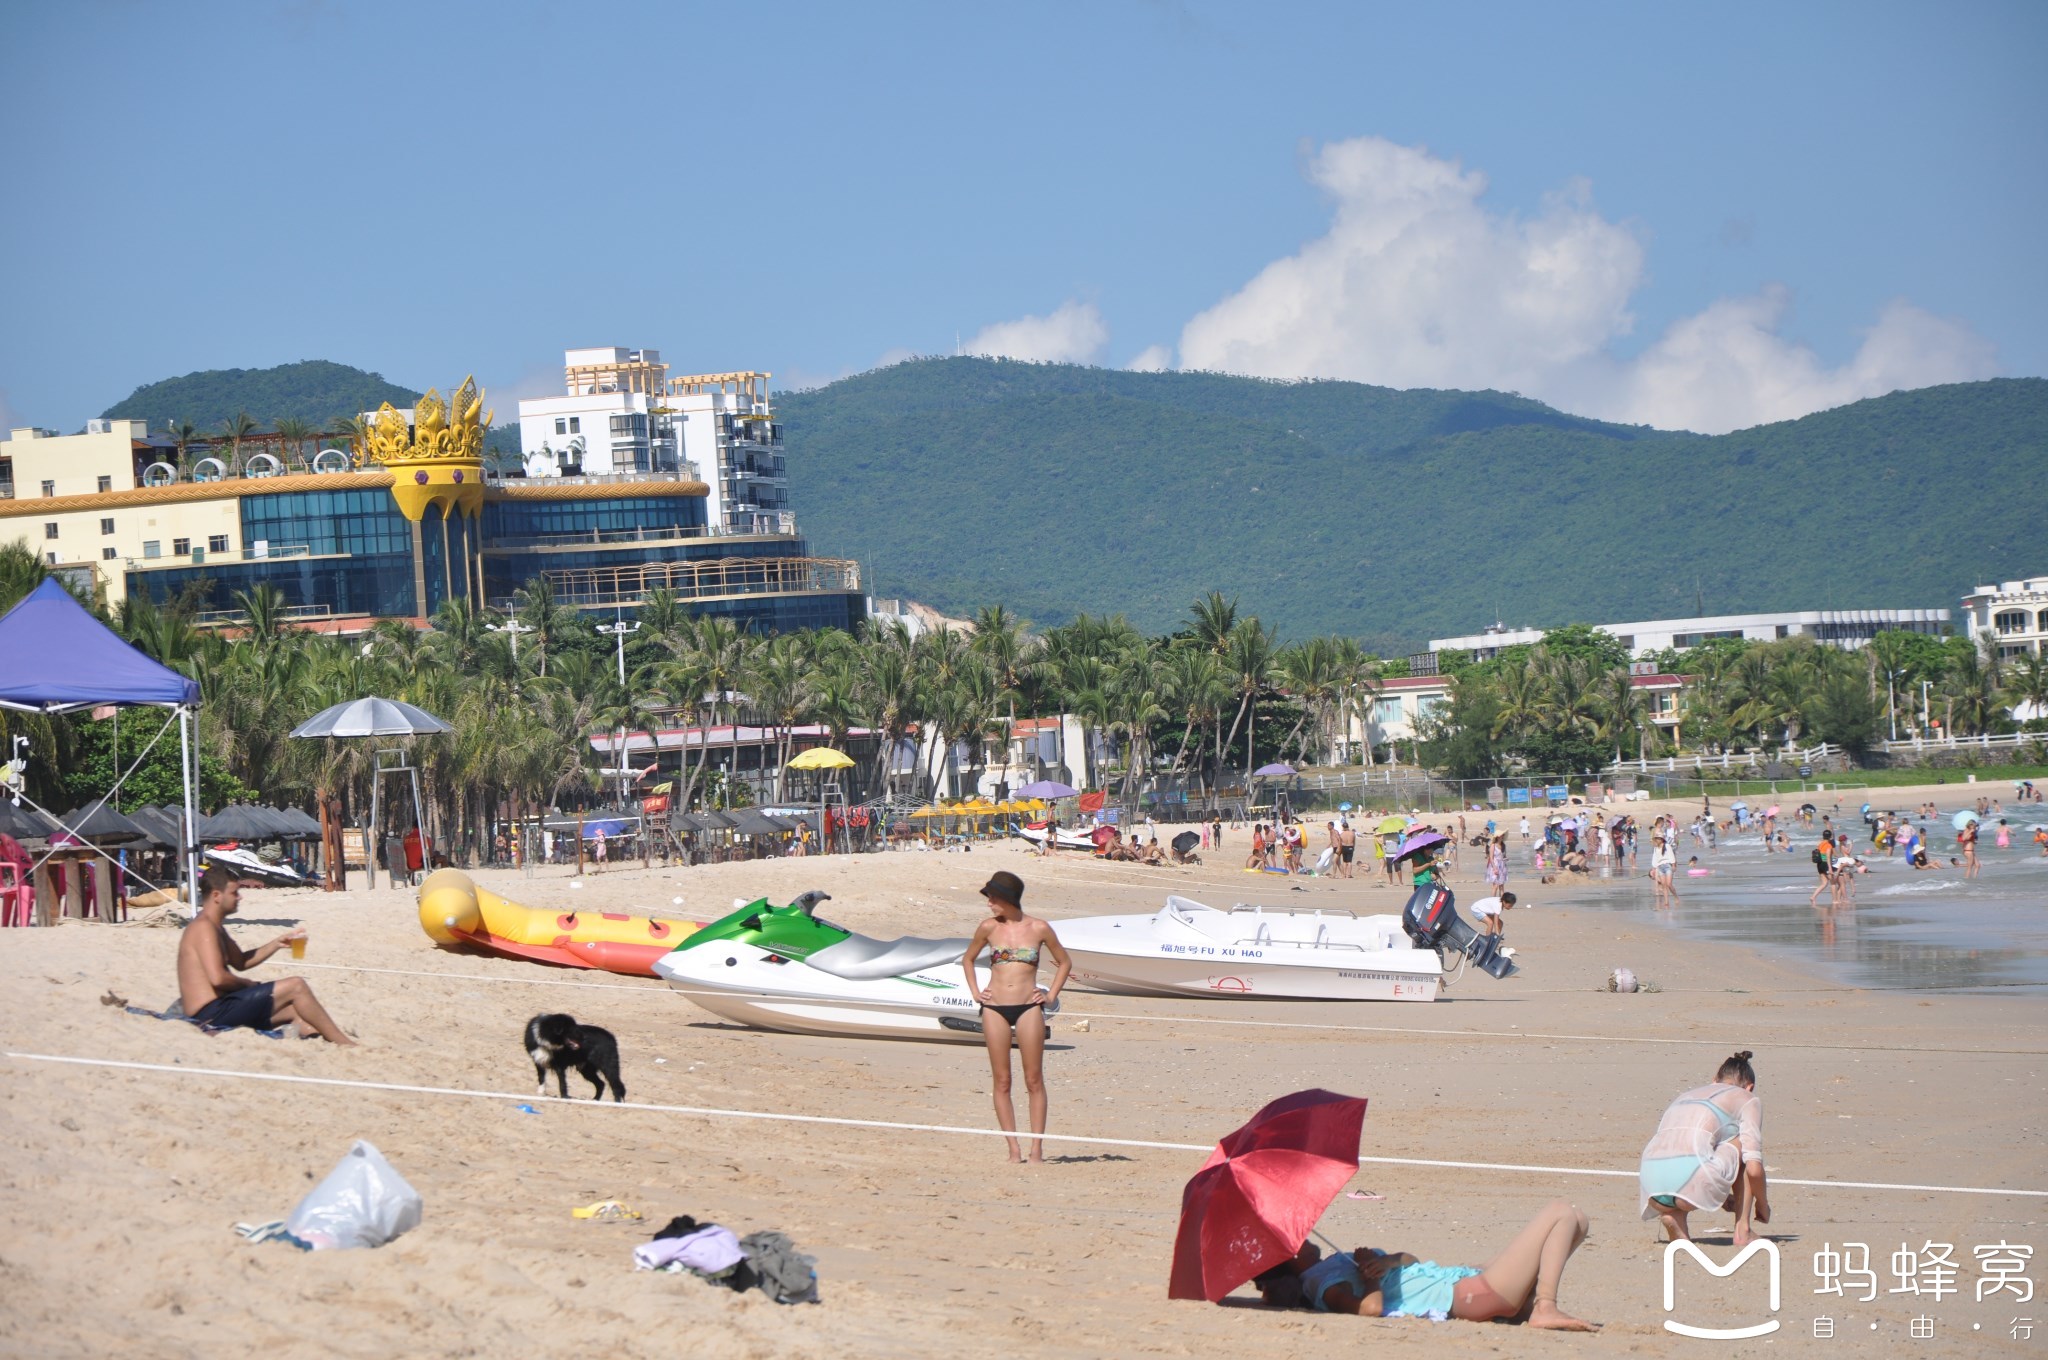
x,y
1699,216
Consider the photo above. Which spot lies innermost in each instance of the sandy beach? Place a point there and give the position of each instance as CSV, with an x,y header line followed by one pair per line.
x,y
121,1184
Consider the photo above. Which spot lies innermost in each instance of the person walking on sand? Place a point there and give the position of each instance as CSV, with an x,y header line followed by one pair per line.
x,y
1347,846
598,849
1823,865
1013,1004
217,997
1707,1153
1663,860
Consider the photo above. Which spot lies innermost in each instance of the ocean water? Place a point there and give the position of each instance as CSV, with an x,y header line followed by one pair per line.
x,y
1905,929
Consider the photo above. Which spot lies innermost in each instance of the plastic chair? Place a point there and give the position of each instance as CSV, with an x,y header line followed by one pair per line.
x,y
17,896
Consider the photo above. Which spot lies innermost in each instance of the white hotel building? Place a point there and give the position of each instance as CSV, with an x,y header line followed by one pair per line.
x,y
2015,614
1846,628
622,414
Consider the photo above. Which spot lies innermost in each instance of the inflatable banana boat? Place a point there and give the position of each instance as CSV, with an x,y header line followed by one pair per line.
x,y
457,914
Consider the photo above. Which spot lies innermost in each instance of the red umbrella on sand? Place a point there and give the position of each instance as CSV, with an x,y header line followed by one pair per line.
x,y
1252,1204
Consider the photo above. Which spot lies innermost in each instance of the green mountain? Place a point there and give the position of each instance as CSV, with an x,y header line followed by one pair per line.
x,y
1330,507
313,390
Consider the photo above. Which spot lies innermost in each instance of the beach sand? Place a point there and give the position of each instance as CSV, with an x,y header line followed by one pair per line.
x,y
118,1187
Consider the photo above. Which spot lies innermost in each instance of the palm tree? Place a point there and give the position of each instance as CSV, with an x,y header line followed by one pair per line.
x,y
1248,662
235,429
356,431
293,434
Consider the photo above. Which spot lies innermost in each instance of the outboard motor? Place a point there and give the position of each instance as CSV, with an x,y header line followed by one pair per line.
x,y
1431,921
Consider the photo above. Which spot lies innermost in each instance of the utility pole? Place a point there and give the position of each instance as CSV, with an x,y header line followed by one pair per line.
x,y
621,630
513,628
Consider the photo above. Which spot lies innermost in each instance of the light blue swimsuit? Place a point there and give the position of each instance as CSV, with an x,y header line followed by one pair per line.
x,y
1421,1290
1663,1177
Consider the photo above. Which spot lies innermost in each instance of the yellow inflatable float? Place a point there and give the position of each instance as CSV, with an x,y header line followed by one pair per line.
x,y
457,914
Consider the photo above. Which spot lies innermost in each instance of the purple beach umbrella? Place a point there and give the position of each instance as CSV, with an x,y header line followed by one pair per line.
x,y
1420,841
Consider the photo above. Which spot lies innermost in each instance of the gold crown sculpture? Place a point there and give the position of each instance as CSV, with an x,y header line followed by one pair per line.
x,y
433,462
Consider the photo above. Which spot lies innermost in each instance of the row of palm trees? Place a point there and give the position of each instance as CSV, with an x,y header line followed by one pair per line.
x,y
526,693
1756,695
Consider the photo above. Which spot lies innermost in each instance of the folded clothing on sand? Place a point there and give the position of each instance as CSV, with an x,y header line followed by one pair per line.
x,y
768,1261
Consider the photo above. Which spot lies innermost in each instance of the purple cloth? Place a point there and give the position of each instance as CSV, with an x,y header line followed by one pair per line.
x,y
710,1250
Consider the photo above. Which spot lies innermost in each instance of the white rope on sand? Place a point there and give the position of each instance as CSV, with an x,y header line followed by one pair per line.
x,y
712,1112
1214,1020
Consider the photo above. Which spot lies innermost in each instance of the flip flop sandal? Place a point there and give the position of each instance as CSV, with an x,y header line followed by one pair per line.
x,y
609,1209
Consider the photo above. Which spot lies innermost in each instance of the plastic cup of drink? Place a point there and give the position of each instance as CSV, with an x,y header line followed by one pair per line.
x,y
299,947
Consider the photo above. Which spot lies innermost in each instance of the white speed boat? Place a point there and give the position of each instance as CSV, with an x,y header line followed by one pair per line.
x,y
1065,840
1188,949
782,968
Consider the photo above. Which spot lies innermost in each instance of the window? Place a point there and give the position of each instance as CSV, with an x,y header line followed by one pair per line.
x,y
2011,621
106,525
181,547
153,548
575,424
53,559
50,529
561,425
1386,711
107,554
106,483
217,543
2041,621
49,488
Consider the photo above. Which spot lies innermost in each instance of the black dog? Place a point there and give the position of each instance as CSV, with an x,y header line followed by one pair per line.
x,y
557,1043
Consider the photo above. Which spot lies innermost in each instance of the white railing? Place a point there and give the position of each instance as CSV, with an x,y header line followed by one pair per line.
x,y
1727,760
1949,741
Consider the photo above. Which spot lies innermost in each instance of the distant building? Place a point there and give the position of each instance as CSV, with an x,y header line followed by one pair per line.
x,y
622,414
1405,701
392,523
1845,628
2015,614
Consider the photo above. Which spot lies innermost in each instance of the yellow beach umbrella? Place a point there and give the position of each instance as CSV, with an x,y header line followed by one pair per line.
x,y
822,758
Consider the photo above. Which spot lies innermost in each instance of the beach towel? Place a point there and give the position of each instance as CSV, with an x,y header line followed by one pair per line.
x,y
710,1251
179,1014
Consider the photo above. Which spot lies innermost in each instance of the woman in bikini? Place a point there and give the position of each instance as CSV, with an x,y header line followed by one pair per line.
x,y
1013,1004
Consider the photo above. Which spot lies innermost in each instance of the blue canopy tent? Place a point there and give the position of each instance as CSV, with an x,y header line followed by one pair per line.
x,y
55,657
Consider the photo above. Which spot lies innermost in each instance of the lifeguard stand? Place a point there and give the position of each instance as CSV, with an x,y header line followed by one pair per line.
x,y
390,762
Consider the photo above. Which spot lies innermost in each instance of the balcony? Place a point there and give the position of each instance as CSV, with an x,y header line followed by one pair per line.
x,y
199,557
627,586
637,537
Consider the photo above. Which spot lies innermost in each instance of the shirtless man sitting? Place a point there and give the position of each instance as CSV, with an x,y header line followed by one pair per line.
x,y
215,996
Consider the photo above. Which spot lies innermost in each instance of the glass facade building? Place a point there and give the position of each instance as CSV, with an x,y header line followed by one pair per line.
x,y
350,552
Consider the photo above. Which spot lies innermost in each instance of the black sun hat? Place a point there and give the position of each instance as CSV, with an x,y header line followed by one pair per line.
x,y
1006,887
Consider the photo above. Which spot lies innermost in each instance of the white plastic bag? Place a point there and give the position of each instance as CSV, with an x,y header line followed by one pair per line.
x,y
364,1202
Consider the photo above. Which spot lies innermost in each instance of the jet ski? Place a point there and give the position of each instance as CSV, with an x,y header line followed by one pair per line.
x,y
783,968
248,868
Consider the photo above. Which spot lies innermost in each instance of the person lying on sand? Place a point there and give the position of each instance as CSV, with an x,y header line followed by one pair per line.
x,y
213,995
1520,1282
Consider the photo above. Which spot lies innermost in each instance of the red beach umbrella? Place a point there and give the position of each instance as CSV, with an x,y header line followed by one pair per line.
x,y
1252,1204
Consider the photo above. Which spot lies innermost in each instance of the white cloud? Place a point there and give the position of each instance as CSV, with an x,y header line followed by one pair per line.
x,y
1072,334
1152,359
1416,284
